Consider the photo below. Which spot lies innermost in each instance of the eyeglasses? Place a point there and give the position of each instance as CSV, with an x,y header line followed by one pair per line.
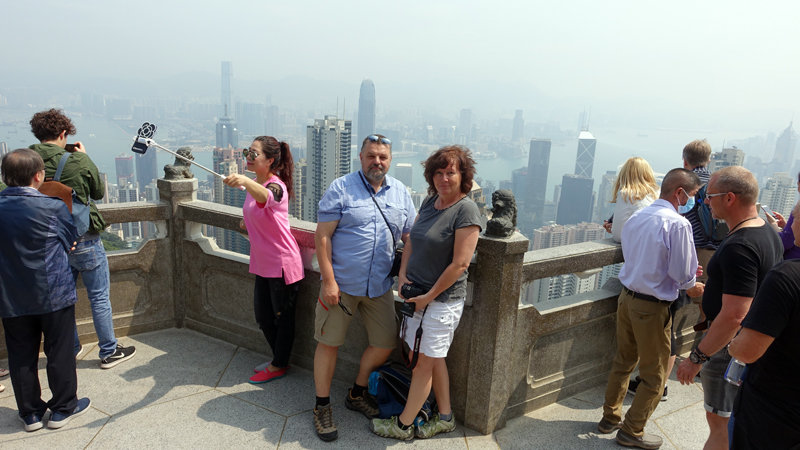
x,y
383,140
344,308
708,196
247,152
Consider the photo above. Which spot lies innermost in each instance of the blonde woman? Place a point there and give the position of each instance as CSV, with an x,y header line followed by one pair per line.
x,y
634,188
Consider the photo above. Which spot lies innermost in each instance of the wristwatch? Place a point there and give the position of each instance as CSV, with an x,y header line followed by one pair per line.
x,y
697,357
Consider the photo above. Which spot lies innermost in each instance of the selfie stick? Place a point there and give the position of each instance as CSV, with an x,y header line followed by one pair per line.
x,y
151,143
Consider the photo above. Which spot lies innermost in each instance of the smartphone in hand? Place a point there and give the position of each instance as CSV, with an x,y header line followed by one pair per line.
x,y
70,148
767,211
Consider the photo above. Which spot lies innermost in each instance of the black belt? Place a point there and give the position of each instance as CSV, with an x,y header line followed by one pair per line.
x,y
646,297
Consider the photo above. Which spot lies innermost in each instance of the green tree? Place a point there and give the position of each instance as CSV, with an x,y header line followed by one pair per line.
x,y
112,241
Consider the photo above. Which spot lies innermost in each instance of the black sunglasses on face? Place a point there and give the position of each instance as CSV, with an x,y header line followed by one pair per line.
x,y
384,141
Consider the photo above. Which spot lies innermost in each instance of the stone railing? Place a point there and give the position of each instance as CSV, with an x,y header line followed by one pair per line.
x,y
507,358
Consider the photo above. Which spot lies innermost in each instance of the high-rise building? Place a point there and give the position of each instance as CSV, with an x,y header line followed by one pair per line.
x,y
272,121
124,165
227,86
146,167
104,180
127,194
575,202
227,132
250,118
584,163
536,185
404,172
328,150
519,178
366,110
299,181
518,128
3,149
150,195
779,193
605,208
229,239
785,146
727,157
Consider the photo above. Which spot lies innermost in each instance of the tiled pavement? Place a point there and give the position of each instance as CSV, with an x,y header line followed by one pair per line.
x,y
187,390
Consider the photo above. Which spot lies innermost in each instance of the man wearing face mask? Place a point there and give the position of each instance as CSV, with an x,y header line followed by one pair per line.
x,y
651,276
735,272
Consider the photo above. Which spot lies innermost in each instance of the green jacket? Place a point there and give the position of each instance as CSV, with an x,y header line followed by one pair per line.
x,y
81,174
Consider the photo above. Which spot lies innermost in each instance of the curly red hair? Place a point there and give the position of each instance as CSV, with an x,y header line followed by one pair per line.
x,y
452,154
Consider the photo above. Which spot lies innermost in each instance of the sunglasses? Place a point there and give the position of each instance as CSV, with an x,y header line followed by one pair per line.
x,y
382,140
247,152
708,196
344,308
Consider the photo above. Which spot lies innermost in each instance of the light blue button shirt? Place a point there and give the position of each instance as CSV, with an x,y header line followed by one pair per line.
x,y
361,247
659,252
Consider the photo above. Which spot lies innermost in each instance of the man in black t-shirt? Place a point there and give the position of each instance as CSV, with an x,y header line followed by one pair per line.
x,y
735,272
767,409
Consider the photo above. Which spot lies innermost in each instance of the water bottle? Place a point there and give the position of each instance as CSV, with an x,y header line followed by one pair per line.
x,y
735,372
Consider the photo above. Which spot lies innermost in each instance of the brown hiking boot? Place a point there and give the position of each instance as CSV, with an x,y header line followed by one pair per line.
x,y
647,441
365,404
323,422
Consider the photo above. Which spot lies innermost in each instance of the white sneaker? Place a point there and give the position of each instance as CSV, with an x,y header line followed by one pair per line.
x,y
79,354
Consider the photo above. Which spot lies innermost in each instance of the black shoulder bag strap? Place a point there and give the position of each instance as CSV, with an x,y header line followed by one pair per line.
x,y
372,194
411,364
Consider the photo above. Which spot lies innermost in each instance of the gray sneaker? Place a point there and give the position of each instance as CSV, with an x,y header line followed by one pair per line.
x,y
323,422
435,426
390,428
647,441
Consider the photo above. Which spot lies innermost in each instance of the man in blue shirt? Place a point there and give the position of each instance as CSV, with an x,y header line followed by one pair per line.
x,y
355,250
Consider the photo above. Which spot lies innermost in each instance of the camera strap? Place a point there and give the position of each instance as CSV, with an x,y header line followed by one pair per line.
x,y
372,194
412,363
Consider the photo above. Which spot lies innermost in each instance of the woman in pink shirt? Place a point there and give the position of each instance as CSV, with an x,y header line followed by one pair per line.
x,y
274,253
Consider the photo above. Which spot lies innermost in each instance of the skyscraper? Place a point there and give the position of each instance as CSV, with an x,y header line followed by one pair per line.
x,y
227,132
727,157
405,173
328,150
604,208
584,163
779,192
3,149
272,121
146,167
785,146
124,165
536,186
250,118
127,194
227,85
519,126
366,111
575,203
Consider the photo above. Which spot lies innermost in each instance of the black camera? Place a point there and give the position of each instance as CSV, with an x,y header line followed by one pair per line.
x,y
410,291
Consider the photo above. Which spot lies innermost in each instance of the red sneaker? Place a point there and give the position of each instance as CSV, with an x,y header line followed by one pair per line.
x,y
265,375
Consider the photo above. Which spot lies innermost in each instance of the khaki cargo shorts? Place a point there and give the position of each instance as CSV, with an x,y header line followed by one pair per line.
x,y
331,323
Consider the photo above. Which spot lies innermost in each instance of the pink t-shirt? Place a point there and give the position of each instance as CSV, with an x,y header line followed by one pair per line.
x,y
273,250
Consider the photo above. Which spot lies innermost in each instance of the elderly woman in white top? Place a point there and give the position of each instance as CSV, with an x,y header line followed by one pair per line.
x,y
635,188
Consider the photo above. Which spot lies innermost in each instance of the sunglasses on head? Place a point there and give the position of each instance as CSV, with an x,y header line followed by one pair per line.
x,y
382,140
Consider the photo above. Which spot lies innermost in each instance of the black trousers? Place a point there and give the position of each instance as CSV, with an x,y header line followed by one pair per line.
x,y
275,303
23,335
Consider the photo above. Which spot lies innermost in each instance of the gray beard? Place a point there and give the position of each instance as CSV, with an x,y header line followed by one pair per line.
x,y
370,175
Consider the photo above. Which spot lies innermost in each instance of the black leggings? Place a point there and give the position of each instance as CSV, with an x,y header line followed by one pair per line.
x,y
275,303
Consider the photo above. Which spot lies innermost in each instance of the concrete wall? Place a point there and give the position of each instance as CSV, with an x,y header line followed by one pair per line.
x,y
506,359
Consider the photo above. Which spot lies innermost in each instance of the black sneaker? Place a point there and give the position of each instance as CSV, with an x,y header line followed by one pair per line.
x,y
122,354
633,384
365,404
664,397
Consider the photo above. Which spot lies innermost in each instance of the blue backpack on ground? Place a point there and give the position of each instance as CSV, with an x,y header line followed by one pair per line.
x,y
390,385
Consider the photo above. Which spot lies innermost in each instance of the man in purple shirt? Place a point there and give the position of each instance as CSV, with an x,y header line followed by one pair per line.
x,y
651,276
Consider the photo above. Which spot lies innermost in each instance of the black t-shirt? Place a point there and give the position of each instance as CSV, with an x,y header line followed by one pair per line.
x,y
740,264
769,400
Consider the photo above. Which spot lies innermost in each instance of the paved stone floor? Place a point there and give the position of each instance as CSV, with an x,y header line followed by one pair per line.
x,y
187,390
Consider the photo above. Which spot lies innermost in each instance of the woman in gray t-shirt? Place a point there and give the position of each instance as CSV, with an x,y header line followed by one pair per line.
x,y
435,260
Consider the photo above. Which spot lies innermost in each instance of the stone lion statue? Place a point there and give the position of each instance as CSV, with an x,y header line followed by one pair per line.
x,y
504,214
180,169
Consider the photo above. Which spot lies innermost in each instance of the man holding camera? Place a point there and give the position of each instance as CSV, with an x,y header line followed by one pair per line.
x,y
360,218
89,260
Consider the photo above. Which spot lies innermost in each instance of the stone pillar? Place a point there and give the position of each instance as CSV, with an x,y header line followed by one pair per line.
x,y
496,302
176,192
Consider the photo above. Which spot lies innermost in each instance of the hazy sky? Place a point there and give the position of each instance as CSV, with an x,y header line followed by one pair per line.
x,y
735,55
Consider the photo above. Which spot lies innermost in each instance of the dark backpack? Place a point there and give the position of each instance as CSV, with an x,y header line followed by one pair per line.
x,y
712,229
391,392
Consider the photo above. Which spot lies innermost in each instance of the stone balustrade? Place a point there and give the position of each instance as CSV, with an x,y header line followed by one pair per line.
x,y
507,358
